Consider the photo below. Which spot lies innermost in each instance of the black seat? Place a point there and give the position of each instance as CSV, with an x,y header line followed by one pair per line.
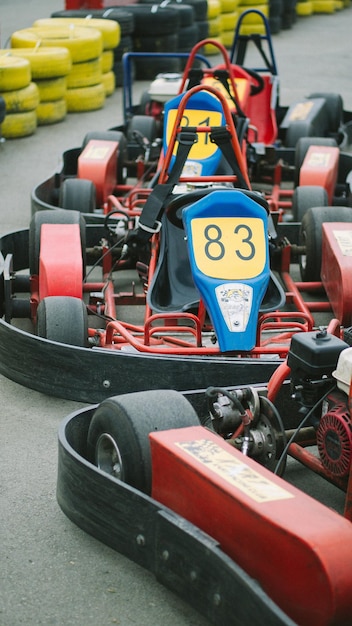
x,y
172,288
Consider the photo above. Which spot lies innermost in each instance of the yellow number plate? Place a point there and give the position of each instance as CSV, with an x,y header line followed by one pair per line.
x,y
229,248
203,149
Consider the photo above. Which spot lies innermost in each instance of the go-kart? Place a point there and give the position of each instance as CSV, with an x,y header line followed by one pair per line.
x,y
268,133
204,256
197,495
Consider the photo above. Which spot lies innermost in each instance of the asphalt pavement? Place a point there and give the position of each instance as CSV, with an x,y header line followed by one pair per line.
x,y
51,572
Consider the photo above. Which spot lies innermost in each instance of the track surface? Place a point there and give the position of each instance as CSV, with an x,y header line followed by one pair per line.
x,y
52,572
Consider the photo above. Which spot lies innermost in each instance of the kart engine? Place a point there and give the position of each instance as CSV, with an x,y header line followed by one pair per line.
x,y
321,372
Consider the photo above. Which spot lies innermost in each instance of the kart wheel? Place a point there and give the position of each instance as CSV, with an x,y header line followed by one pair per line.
x,y
311,237
302,146
119,137
59,216
144,126
118,440
305,198
334,106
63,319
78,194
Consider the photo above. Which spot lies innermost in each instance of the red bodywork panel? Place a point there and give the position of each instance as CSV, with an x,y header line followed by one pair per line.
x,y
60,241
320,167
98,163
299,550
261,110
336,268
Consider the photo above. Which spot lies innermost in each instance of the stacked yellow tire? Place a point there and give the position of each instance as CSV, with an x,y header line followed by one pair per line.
x,y
96,70
83,44
21,97
252,23
229,19
214,25
49,67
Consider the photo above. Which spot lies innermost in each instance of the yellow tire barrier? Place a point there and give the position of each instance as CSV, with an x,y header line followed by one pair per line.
x,y
214,9
249,29
323,6
85,74
228,22
211,50
85,98
51,89
227,38
19,124
83,43
228,6
214,26
253,18
51,112
46,62
251,4
304,8
15,73
25,99
110,30
109,83
107,61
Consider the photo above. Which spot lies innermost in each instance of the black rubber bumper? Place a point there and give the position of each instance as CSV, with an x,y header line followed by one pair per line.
x,y
92,374
182,557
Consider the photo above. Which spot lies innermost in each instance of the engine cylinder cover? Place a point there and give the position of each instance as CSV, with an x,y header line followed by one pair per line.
x,y
334,436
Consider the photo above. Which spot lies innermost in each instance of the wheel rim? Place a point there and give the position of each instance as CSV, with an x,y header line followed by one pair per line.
x,y
108,457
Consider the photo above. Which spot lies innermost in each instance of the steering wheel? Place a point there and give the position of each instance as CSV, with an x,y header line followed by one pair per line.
x,y
259,84
174,208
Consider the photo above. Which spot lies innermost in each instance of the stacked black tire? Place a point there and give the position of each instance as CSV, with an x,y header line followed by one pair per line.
x,y
166,26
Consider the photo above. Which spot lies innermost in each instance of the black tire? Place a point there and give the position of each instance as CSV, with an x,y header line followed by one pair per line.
x,y
187,38
156,43
275,23
334,107
200,7
77,194
118,440
57,216
144,125
305,198
302,146
116,14
63,319
154,20
310,236
148,69
113,135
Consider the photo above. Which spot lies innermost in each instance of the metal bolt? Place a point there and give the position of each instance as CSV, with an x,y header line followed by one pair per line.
x,y
140,540
106,384
165,555
217,599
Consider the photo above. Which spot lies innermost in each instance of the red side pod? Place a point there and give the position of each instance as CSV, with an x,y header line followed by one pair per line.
x,y
299,550
60,264
98,163
320,167
336,268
